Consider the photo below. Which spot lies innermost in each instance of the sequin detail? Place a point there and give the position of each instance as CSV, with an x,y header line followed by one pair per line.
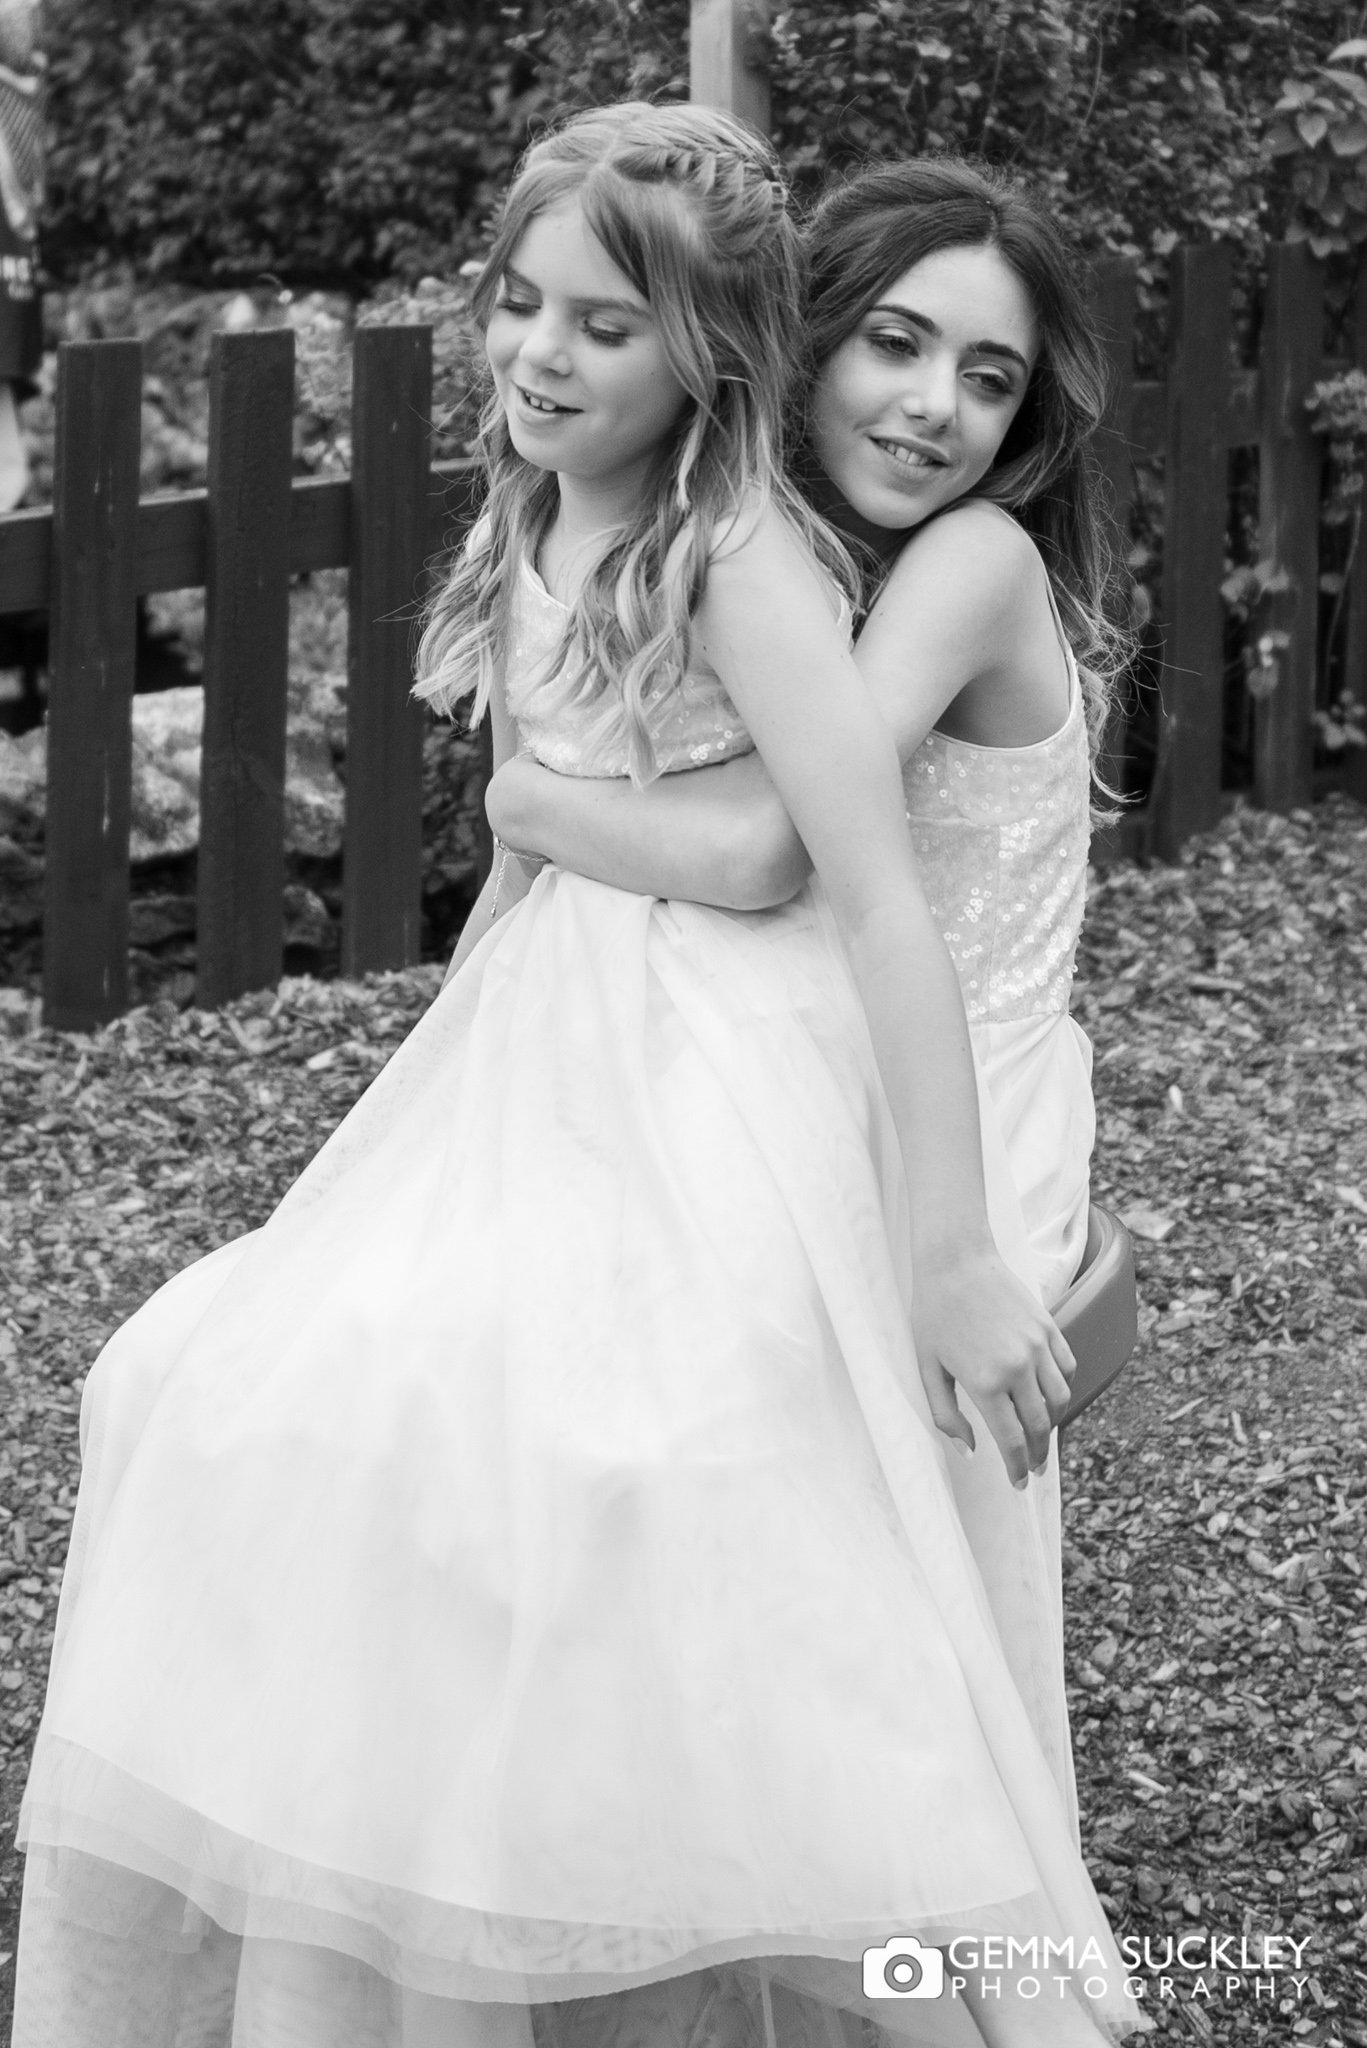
x,y
693,725
1001,837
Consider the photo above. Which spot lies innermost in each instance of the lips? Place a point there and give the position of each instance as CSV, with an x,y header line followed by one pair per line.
x,y
909,455
548,407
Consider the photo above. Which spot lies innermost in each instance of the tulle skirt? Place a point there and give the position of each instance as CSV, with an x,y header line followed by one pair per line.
x,y
524,1572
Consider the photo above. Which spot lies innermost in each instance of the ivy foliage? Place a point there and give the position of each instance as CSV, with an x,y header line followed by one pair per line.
x,y
1320,134
342,141
334,141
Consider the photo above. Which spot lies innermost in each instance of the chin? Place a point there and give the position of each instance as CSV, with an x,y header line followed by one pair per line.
x,y
893,512
536,457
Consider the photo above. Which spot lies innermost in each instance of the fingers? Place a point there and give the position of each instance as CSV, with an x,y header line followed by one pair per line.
x,y
1022,1414
945,1411
1036,1426
992,1339
1055,1390
1061,1351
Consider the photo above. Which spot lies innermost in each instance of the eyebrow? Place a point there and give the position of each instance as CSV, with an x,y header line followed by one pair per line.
x,y
632,306
928,326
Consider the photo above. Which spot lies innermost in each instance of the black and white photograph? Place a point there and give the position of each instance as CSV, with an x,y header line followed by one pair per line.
x,y
683,1023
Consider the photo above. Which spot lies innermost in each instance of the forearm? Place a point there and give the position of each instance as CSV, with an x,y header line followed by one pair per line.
x,y
914,1006
714,835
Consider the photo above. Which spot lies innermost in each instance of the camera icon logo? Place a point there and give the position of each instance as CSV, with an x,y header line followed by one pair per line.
x,y
903,1968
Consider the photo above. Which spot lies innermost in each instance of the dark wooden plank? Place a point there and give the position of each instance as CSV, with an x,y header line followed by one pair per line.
x,y
391,521
1289,494
1114,304
1115,289
1150,421
1186,796
90,684
170,534
26,560
725,58
1355,597
240,943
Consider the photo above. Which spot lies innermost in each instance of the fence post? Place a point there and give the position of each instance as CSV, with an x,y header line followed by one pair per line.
x,y
90,686
1355,624
726,65
1115,295
1195,515
1114,301
391,463
239,896
1289,494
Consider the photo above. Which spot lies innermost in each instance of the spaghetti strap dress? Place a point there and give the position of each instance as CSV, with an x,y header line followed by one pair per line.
x,y
517,1595
1001,837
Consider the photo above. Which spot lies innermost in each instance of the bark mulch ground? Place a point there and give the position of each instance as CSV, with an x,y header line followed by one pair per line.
x,y
1215,1567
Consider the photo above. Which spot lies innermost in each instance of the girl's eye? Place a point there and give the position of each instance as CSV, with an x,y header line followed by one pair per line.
x,y
611,337
991,385
508,304
894,341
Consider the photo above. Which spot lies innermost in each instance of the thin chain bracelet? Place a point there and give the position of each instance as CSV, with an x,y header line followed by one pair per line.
x,y
505,854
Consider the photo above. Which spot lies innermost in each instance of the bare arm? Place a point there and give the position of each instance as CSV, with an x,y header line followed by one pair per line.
x,y
764,625
963,620
710,835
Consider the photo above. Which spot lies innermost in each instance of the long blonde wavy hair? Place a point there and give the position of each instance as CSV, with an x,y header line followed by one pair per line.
x,y
691,207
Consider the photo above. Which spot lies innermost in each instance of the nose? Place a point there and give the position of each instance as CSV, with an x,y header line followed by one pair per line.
x,y
544,345
932,397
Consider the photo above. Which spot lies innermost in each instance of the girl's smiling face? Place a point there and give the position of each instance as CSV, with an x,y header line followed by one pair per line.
x,y
577,357
909,412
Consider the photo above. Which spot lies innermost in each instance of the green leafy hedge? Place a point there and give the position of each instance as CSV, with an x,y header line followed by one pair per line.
x,y
343,141
335,141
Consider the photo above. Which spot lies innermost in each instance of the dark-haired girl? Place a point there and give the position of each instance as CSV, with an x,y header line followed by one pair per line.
x,y
957,382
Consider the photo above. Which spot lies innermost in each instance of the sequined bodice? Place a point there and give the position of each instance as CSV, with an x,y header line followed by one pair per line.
x,y
1001,837
692,725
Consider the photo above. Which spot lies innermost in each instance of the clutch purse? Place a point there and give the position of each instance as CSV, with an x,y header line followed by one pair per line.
x,y
1099,1314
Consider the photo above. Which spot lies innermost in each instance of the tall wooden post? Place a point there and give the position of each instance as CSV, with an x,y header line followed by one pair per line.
x,y
90,687
1289,487
1195,516
726,65
1355,643
390,514
240,926
1115,297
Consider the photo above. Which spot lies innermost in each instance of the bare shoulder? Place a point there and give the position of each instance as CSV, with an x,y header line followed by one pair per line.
x,y
974,554
758,558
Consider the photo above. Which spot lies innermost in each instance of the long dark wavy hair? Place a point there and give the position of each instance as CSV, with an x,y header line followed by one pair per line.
x,y
869,231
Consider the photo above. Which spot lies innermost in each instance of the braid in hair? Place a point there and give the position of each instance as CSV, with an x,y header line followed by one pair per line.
x,y
690,206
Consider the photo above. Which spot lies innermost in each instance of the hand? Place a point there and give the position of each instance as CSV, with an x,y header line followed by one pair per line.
x,y
977,1325
508,797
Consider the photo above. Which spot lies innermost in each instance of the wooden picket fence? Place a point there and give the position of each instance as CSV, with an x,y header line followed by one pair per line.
x,y
88,559
1203,409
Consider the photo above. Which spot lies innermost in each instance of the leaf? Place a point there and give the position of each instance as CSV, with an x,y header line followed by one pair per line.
x,y
1350,82
1348,138
1356,46
1312,128
1141,1221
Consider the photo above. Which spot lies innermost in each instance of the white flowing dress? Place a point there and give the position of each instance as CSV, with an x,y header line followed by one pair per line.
x,y
525,1569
